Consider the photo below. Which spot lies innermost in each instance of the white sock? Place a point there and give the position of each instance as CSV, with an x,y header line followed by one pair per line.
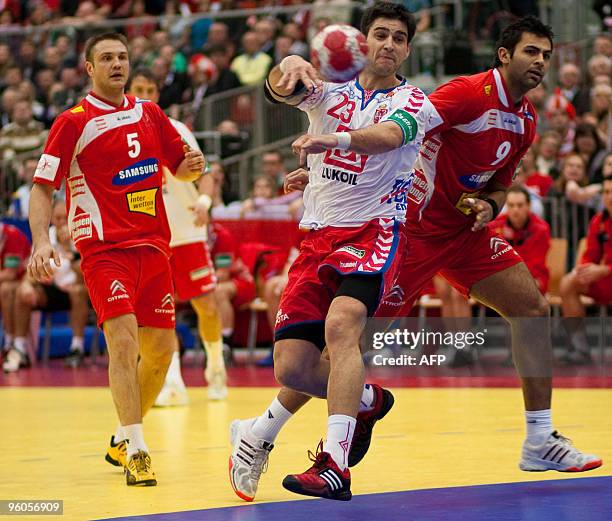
x,y
21,344
173,376
368,398
119,434
135,438
269,424
214,354
539,426
340,430
8,341
77,344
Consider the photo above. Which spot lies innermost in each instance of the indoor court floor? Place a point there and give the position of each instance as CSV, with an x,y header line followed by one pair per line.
x,y
445,452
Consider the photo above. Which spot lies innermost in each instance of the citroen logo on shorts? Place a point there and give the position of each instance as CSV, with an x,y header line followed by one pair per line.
x,y
117,286
168,300
118,291
167,305
496,243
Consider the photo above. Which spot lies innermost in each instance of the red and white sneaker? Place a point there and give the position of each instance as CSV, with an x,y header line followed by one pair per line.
x,y
557,453
324,479
365,424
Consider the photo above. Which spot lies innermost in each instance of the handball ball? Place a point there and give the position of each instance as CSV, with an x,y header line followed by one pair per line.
x,y
339,52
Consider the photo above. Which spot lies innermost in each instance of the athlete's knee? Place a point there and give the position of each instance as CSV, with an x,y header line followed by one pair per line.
x,y
342,323
290,370
541,308
123,351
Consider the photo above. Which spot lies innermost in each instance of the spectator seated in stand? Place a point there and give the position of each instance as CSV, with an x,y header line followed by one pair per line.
x,y
235,283
14,253
264,205
527,233
23,133
573,183
65,291
20,200
592,276
589,146
547,160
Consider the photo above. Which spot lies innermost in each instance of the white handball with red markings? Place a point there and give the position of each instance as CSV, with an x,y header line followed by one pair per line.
x,y
339,52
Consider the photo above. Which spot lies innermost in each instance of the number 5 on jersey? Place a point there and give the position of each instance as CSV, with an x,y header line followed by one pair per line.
x,y
133,145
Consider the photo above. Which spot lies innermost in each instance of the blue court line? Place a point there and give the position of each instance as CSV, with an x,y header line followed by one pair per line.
x,y
583,499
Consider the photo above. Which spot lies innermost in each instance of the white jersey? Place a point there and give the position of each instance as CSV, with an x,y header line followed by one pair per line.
x,y
179,197
350,189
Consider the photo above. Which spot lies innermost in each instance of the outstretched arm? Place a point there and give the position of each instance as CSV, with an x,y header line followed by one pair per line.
x,y
375,139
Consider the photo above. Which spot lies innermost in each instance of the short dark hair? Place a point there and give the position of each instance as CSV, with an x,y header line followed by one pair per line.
x,y
140,72
389,10
518,189
95,40
512,35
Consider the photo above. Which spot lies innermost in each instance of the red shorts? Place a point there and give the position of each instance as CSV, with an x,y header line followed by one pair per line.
x,y
601,291
328,254
245,290
466,259
132,280
192,270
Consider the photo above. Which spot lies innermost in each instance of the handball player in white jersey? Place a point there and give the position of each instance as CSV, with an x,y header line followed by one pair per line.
x,y
191,263
361,145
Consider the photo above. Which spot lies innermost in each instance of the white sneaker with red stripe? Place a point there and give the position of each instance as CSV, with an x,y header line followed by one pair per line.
x,y
556,453
249,459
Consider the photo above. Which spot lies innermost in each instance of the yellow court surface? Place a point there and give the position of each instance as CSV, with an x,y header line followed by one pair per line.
x,y
54,441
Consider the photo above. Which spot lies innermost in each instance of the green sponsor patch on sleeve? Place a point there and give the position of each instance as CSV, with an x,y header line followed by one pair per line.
x,y
406,122
12,261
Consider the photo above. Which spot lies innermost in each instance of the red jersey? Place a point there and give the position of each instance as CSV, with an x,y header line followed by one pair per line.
x,y
599,243
14,248
531,242
479,135
111,158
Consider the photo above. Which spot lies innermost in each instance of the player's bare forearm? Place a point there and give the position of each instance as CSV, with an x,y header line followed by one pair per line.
x,y
206,185
377,139
41,201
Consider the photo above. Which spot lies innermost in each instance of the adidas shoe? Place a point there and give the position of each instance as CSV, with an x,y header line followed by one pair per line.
x,y
249,459
324,479
117,453
172,395
365,424
556,453
138,471
217,383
